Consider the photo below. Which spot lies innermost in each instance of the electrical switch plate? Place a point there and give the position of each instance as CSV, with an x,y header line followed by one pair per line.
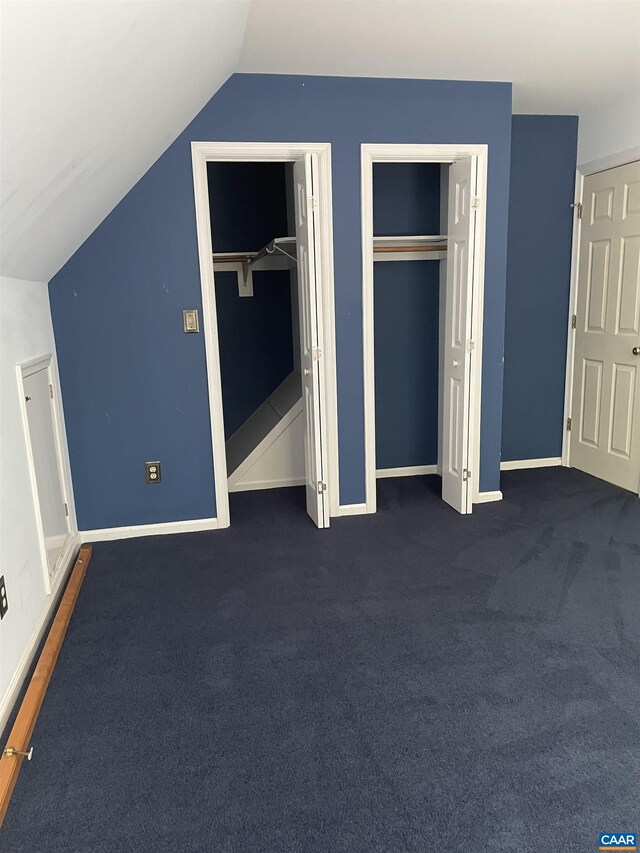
x,y
152,472
190,320
4,603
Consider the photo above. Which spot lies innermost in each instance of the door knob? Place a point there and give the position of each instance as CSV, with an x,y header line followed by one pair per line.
x,y
636,350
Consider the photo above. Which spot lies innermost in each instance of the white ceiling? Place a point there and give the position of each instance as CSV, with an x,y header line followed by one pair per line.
x,y
561,55
94,91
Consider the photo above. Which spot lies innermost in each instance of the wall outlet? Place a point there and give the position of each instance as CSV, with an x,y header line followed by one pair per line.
x,y
152,472
4,603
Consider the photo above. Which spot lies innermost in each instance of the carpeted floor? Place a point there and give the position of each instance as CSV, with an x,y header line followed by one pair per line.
x,y
410,681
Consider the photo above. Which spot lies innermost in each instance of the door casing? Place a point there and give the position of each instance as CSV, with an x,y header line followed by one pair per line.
x,y
267,152
444,154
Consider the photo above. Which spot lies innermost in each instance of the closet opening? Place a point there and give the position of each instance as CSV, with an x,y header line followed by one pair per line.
x,y
263,309
423,259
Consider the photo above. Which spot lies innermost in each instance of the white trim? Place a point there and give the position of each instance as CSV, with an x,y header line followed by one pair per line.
x,y
278,152
409,471
27,368
22,669
233,483
521,464
603,164
107,534
254,485
573,303
393,153
352,509
488,497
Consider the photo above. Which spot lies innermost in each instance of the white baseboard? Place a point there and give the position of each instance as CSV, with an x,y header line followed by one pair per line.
x,y
352,509
266,484
518,464
409,471
107,534
487,497
17,680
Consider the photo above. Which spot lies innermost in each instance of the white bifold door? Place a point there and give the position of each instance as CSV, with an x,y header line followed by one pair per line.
x,y
304,179
605,409
457,347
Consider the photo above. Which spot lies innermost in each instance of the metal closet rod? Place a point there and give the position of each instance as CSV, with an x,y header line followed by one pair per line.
x,y
251,258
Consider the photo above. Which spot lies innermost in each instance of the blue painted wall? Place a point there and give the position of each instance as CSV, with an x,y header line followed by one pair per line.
x,y
248,206
134,384
543,164
406,200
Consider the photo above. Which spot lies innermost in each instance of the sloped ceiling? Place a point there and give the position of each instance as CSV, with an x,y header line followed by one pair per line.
x,y
92,93
563,56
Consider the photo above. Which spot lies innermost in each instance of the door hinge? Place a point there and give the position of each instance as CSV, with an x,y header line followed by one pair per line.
x,y
568,424
577,206
475,202
51,391
66,510
574,322
316,353
466,474
471,345
312,203
322,487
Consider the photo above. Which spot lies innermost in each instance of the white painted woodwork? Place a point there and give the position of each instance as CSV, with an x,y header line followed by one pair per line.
x,y
311,335
605,434
278,460
26,333
46,466
457,334
444,155
267,451
326,402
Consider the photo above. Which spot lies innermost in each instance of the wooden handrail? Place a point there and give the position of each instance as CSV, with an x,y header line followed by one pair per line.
x,y
20,736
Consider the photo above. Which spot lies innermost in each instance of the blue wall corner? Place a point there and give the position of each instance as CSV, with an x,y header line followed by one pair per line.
x,y
543,165
134,385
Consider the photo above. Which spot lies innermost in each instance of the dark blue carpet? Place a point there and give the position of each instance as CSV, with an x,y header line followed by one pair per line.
x,y
413,681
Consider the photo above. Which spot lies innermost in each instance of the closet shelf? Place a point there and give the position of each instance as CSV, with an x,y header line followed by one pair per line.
x,y
410,248
279,254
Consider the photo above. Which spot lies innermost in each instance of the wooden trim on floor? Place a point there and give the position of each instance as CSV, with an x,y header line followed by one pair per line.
x,y
20,736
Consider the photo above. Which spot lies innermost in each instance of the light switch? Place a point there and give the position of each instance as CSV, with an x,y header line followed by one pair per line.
x,y
190,320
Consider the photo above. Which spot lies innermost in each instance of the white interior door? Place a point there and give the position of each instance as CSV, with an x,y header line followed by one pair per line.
x,y
457,347
44,451
605,409
310,337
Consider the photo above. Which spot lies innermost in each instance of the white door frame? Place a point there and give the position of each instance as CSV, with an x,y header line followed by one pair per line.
x,y
27,368
583,170
393,153
265,152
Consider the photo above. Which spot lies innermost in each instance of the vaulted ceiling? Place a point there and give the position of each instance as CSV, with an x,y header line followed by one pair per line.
x,y
93,92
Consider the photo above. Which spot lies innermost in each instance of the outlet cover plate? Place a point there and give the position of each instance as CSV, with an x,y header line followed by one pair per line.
x,y
152,473
190,320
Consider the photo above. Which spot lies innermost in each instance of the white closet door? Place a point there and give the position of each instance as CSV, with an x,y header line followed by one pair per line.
x,y
605,416
456,349
310,337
